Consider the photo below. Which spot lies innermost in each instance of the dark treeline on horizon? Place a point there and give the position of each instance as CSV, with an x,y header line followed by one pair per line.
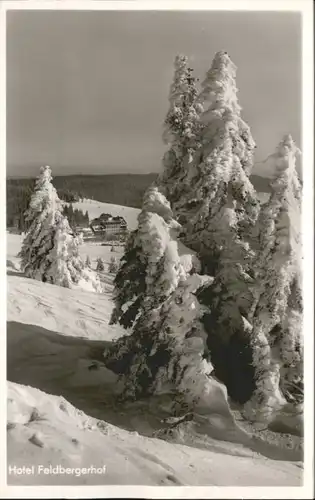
x,y
118,189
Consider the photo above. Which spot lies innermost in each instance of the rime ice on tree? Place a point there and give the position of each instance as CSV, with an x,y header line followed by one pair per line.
x,y
141,264
160,275
167,346
220,186
276,312
50,250
181,128
220,213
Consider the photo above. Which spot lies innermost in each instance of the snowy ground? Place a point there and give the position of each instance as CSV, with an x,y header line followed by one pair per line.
x,y
93,250
55,343
45,430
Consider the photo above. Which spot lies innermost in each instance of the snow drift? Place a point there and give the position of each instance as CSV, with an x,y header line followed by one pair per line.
x,y
48,431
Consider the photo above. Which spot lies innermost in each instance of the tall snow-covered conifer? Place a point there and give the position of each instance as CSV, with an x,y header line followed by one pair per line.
x,y
219,183
181,128
276,311
205,266
219,215
218,211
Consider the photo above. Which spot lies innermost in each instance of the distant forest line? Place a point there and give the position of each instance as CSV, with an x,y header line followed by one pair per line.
x,y
118,189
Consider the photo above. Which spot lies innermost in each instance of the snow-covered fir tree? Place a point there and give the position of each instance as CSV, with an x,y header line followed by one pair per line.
x,y
276,311
219,211
160,275
50,250
64,266
129,283
113,265
100,267
218,216
167,348
181,128
219,179
142,261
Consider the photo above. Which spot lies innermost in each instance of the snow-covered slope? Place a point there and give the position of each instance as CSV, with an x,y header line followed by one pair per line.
x,y
96,208
68,312
55,343
71,312
47,431
93,250
14,243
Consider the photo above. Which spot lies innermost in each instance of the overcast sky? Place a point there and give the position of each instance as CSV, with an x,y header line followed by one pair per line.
x,y
87,91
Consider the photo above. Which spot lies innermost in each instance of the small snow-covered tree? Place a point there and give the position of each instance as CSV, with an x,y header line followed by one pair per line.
x,y
113,265
181,127
50,250
88,261
276,311
65,266
100,267
70,216
42,216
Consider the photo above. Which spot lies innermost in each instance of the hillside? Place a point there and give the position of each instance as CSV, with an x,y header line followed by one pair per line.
x,y
62,407
47,431
96,208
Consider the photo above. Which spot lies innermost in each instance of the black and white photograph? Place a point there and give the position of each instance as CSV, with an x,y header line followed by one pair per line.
x,y
157,175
